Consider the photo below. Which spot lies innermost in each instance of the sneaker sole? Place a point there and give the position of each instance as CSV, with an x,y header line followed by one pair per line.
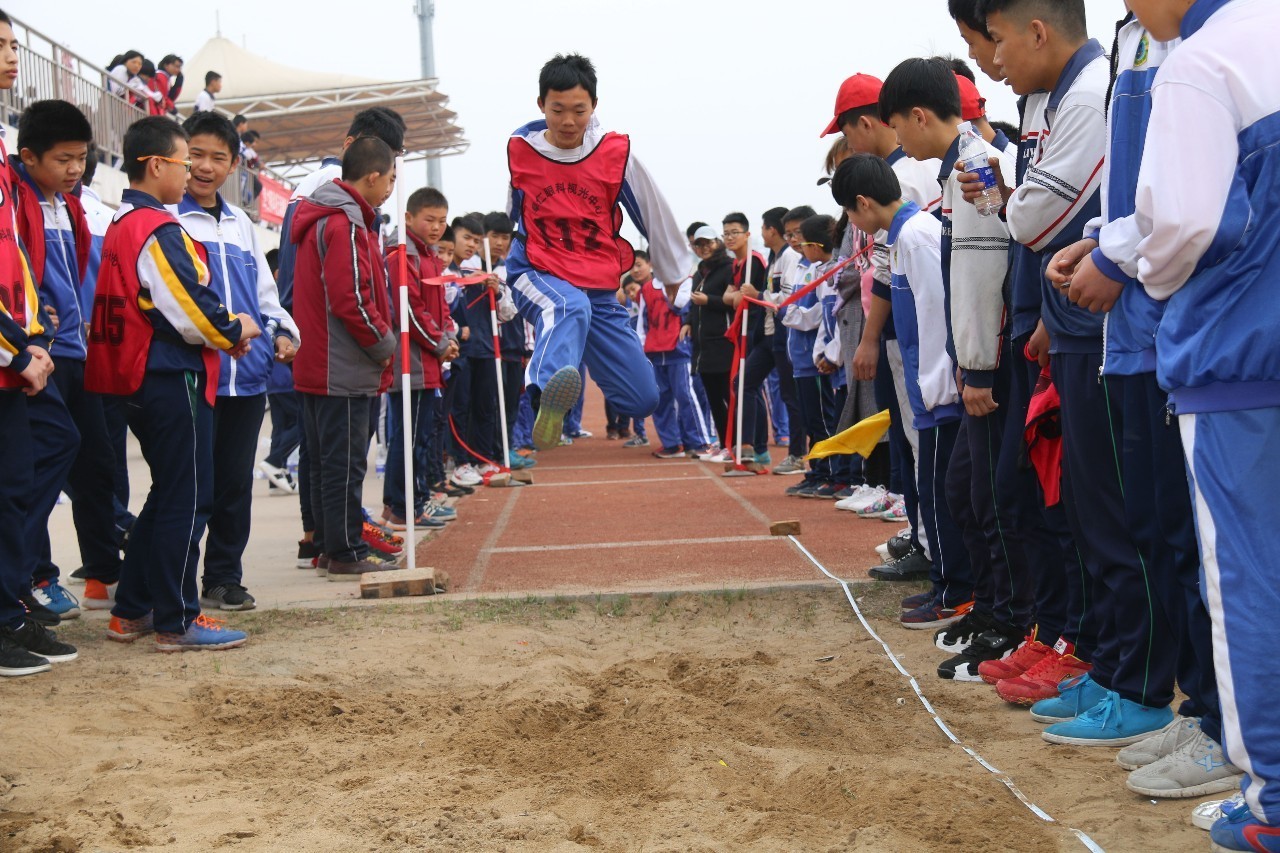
x,y
97,604
558,397
203,647
1205,815
1217,786
1067,740
941,623
1042,718
221,605
961,673
60,658
19,671
126,638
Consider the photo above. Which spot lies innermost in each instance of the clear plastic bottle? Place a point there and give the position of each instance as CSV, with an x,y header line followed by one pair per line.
x,y
975,157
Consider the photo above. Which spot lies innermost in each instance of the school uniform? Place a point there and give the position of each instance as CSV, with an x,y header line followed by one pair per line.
x,y
430,333
57,238
513,345
975,265
1064,146
708,327
154,338
920,318
342,309
567,256
239,274
846,469
784,274
1207,250
476,406
919,182
22,323
814,391
661,317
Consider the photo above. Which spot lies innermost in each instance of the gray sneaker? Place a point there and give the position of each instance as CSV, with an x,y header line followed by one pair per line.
x,y
1195,769
352,571
1160,744
636,441
789,465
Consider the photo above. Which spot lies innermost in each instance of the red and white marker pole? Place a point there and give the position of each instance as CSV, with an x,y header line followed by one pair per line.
x,y
742,357
406,377
505,463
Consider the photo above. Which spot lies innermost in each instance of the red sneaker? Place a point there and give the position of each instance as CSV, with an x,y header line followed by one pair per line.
x,y
381,541
98,595
1041,681
1027,656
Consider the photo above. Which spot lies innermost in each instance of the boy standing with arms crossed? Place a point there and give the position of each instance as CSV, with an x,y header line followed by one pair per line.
x,y
154,338
569,182
1208,249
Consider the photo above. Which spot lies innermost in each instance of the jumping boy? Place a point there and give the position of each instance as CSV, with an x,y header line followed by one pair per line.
x,y
240,275
867,188
154,338
569,182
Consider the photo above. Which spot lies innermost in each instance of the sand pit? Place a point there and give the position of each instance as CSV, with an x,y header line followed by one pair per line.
x,y
688,722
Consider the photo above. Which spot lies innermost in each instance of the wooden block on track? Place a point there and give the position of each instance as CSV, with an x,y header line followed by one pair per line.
x,y
522,475
785,528
398,583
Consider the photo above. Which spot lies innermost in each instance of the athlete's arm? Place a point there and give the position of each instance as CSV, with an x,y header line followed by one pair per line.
x,y
668,247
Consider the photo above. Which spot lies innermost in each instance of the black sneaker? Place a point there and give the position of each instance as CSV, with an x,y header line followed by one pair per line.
x,y
39,640
38,612
958,636
996,643
900,546
228,596
307,553
914,566
352,571
81,574
16,660
452,489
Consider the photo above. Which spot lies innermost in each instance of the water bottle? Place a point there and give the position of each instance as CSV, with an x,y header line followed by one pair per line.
x,y
974,155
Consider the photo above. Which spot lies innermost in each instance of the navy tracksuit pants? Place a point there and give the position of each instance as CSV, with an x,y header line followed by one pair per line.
x,y
286,427
237,422
174,426
821,416
422,411
1135,654
338,438
16,487
952,571
676,417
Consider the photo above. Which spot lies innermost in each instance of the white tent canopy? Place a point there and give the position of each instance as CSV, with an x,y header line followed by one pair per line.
x,y
304,115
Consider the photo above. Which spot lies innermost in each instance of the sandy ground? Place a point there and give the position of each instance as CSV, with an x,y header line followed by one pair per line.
x,y
674,722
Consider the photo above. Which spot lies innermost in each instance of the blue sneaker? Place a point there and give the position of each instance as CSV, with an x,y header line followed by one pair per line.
x,y
517,462
437,512
202,634
54,596
559,395
1240,830
1075,696
1115,721
762,458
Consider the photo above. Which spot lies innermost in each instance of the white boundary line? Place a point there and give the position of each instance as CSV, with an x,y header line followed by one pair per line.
x,y
1004,778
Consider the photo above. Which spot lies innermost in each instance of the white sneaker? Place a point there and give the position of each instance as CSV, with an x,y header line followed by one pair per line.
x,y
466,475
277,477
488,471
1196,768
1205,815
863,496
1158,745
712,455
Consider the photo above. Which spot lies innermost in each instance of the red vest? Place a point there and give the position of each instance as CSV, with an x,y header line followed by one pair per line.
x,y
662,322
17,286
119,332
569,215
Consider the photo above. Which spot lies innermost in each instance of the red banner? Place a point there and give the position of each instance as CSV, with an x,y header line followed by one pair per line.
x,y
273,200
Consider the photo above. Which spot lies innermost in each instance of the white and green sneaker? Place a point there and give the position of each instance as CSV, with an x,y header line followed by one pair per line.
x,y
559,395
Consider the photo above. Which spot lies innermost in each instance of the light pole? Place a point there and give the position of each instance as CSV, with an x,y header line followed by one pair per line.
x,y
426,12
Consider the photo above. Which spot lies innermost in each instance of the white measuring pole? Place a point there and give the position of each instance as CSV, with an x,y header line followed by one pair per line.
x,y
497,363
742,359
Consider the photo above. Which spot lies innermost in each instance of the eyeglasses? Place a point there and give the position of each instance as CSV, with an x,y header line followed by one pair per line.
x,y
728,234
186,164
790,234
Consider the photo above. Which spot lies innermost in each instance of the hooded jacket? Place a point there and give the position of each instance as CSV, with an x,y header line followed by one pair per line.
x,y
712,351
430,327
340,299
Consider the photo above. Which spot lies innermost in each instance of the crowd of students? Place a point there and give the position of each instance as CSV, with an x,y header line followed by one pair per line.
x,y
1070,334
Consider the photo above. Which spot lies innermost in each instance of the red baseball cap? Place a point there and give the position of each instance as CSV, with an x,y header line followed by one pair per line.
x,y
860,90
972,104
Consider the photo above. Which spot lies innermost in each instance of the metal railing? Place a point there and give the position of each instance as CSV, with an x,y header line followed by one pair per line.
x,y
47,70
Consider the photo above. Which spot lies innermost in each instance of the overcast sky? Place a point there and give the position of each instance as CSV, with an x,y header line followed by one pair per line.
x,y
724,101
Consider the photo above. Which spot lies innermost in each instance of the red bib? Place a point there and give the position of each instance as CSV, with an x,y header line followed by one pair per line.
x,y
17,287
569,214
119,332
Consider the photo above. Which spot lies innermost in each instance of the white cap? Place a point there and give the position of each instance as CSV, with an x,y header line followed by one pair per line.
x,y
706,232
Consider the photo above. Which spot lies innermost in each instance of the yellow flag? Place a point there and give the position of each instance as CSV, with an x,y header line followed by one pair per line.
x,y
861,438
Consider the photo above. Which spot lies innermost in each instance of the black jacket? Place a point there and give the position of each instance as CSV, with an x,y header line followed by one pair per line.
x,y
712,351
